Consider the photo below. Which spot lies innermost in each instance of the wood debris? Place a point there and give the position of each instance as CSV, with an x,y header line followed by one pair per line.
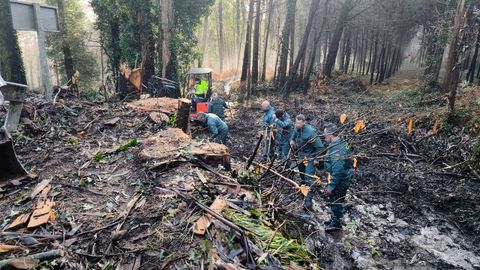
x,y
204,222
164,104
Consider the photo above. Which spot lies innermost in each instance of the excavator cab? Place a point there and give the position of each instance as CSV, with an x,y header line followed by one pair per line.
x,y
10,166
199,88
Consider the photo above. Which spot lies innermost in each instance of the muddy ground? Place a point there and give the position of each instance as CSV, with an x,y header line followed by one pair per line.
x,y
410,205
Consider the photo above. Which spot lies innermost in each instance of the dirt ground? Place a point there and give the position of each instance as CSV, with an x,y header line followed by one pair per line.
x,y
411,205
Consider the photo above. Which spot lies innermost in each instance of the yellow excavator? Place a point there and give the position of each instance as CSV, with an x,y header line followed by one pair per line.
x,y
10,166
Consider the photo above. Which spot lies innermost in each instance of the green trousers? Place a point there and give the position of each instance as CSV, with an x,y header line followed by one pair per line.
x,y
337,202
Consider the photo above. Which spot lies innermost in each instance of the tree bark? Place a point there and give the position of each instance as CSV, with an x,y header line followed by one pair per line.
x,y
473,65
204,38
453,66
67,52
256,44
337,35
248,47
221,45
301,52
373,62
267,35
285,42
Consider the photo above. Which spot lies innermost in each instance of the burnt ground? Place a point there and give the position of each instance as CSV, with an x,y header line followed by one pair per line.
x,y
413,203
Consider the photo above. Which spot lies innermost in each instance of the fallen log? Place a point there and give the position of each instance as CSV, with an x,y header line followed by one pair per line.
x,y
34,258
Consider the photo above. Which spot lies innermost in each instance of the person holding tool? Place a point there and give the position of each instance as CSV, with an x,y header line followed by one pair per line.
x,y
218,128
339,167
268,117
307,145
283,132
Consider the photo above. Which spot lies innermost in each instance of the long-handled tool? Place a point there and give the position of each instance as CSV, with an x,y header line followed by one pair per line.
x,y
252,157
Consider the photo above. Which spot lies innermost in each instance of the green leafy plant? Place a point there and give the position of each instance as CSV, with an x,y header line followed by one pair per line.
x,y
74,141
99,156
351,236
172,121
85,181
373,248
132,143
287,250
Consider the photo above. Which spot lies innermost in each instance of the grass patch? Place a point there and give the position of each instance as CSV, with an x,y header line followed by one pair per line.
x,y
287,250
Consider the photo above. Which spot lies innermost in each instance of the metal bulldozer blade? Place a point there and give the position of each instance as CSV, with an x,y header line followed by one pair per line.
x,y
10,167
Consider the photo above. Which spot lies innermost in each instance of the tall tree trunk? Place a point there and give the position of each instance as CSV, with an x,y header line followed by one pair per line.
x,y
166,8
267,34
67,52
452,75
248,46
221,45
284,48
473,65
337,35
240,6
256,44
301,52
373,62
204,39
292,38
308,72
348,52
438,46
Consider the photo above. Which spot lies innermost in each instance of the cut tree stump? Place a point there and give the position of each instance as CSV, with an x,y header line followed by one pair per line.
x,y
169,145
183,115
164,105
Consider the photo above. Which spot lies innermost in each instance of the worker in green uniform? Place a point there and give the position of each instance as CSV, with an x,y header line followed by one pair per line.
x,y
268,117
339,166
283,132
218,128
217,106
307,145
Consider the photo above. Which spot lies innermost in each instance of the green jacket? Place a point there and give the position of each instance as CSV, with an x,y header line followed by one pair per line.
x,y
217,127
307,141
338,164
284,129
218,107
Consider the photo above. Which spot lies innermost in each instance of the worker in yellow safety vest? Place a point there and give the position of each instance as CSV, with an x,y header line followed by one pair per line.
x,y
201,88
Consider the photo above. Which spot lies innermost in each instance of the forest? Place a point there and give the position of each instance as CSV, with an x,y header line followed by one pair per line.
x,y
240,134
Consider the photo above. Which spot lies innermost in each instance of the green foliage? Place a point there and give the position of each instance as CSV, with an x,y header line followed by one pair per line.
x,y
287,250
248,177
455,119
351,236
373,248
11,65
99,156
184,43
76,36
172,121
132,143
476,151
131,32
74,141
